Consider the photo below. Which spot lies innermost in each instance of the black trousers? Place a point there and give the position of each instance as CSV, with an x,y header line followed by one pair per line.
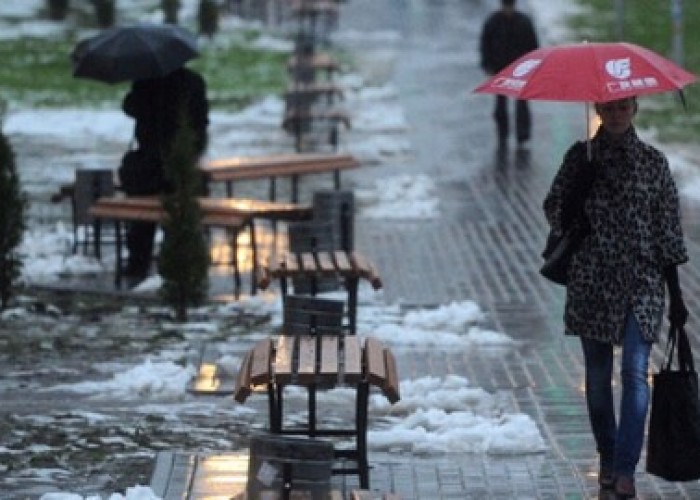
x,y
523,121
139,241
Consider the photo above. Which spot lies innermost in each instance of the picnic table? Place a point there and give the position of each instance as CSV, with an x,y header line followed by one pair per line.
x,y
321,362
350,266
292,165
232,214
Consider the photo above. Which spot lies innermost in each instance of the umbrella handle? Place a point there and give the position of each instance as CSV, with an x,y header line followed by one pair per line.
x,y
589,153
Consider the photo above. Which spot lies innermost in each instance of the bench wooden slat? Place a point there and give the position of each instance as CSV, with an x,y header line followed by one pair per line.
x,y
375,362
366,270
352,360
260,362
320,60
328,370
391,385
282,165
284,357
307,359
373,495
242,389
308,262
291,264
325,262
342,263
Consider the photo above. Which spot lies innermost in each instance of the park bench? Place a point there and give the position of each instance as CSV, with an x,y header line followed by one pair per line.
x,y
321,361
232,214
303,68
348,265
291,165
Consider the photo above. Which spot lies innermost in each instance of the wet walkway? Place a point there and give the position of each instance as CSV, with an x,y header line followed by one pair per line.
x,y
485,247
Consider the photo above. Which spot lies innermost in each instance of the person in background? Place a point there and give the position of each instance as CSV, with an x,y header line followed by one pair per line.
x,y
506,35
615,294
155,104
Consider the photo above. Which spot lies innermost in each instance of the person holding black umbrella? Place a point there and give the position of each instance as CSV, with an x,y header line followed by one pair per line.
x,y
152,57
159,106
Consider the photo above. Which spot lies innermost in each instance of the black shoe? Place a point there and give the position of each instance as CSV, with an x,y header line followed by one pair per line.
x,y
606,480
624,487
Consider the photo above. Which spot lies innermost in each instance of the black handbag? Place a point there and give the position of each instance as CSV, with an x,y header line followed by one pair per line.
x,y
673,443
141,173
561,246
558,252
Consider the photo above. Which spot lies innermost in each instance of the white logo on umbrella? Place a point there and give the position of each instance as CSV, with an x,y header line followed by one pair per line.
x,y
525,67
619,68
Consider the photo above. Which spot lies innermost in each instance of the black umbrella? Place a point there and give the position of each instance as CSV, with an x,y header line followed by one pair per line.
x,y
136,52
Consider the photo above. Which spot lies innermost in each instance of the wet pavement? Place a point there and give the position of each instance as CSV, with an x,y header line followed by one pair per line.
x,y
485,247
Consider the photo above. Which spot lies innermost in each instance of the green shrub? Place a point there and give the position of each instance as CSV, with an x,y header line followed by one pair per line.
x,y
184,256
13,205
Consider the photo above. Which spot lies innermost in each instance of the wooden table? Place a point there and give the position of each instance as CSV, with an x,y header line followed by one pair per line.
x,y
232,214
293,165
316,362
349,266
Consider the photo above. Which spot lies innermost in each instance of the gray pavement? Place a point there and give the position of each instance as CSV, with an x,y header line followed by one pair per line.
x,y
484,247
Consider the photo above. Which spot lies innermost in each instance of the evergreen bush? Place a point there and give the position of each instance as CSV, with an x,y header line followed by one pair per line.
x,y
13,204
184,255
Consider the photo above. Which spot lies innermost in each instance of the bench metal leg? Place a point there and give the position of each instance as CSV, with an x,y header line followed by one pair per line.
x,y
312,411
351,284
118,266
295,188
234,262
254,265
274,399
361,426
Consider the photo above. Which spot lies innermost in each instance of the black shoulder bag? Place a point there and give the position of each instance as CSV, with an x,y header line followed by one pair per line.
x,y
673,445
561,247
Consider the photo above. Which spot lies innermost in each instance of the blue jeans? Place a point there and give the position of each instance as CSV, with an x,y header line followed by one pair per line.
x,y
620,446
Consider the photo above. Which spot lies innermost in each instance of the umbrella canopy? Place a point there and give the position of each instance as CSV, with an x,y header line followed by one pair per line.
x,y
587,72
135,52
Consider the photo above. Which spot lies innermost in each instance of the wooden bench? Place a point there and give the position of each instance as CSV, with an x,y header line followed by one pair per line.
x,y
232,214
292,165
303,68
350,266
321,361
307,93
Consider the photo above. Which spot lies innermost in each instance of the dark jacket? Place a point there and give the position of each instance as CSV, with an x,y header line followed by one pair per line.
x,y
504,38
155,104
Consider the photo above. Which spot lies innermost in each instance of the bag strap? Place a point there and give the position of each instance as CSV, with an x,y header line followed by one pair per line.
x,y
679,344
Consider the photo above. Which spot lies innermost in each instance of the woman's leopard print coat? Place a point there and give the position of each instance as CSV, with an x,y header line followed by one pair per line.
x,y
633,210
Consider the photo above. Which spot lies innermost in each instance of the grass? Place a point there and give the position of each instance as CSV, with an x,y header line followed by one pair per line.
x,y
649,23
37,72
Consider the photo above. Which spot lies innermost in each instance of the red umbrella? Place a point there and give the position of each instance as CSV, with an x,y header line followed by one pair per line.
x,y
587,72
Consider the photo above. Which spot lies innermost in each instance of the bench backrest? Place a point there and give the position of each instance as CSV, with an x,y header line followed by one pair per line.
x,y
338,209
304,315
312,236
